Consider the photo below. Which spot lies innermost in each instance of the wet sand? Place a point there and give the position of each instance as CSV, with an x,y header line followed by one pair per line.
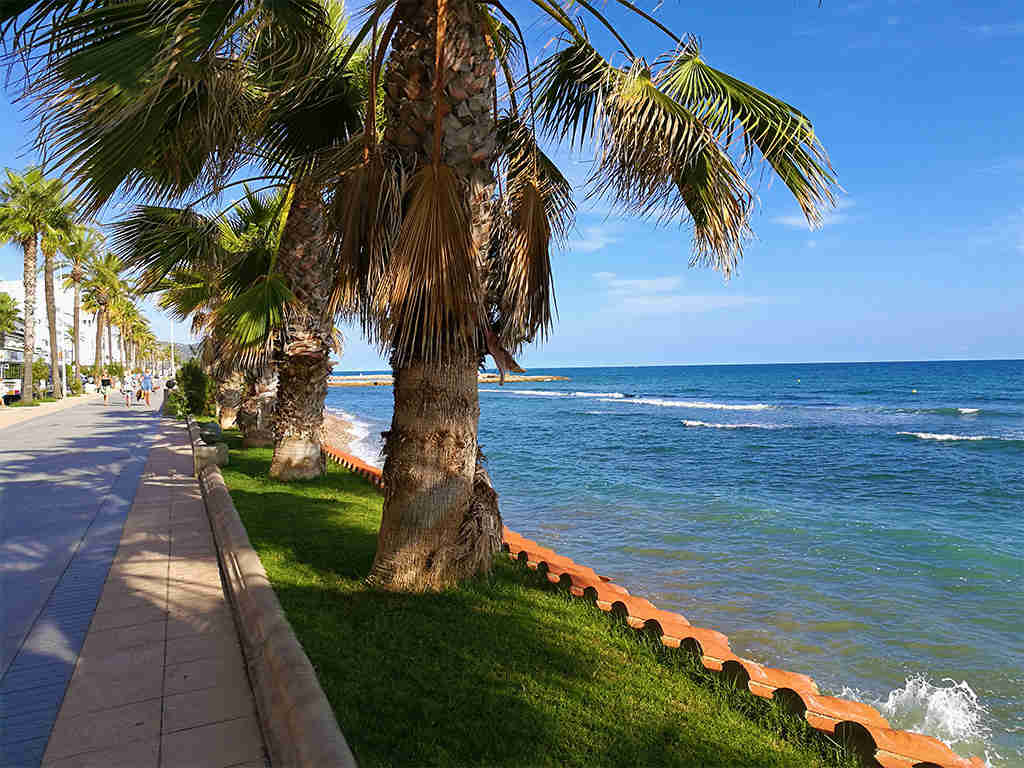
x,y
338,432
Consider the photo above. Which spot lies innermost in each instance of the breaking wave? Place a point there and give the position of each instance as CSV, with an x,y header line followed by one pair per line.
x,y
950,712
694,423
701,404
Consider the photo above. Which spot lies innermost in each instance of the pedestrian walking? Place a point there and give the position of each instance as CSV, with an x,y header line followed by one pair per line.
x,y
147,386
105,386
128,389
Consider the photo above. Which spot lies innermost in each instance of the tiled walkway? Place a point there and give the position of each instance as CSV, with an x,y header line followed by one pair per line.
x,y
160,680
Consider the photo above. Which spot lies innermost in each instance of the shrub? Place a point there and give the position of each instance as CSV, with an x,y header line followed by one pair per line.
x,y
176,404
115,370
197,389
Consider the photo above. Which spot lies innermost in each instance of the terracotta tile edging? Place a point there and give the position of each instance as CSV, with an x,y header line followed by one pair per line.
x,y
860,725
297,719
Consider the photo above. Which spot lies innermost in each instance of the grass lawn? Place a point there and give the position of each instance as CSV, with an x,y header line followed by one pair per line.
x,y
506,670
36,401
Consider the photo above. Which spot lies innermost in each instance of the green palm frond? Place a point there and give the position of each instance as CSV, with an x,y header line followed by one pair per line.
x,y
781,134
251,317
156,241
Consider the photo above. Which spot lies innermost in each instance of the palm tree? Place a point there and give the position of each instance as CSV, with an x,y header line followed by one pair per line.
x,y
57,234
27,205
78,253
8,317
224,274
103,287
443,211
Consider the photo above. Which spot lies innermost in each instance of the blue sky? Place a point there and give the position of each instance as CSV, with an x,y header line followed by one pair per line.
x,y
919,105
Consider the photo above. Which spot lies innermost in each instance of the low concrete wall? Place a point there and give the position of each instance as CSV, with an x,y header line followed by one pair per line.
x,y
298,721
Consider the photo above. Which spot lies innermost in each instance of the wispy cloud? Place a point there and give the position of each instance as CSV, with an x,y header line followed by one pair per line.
x,y
592,239
831,217
1005,29
660,296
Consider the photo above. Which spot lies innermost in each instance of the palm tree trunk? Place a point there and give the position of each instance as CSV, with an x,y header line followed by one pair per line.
x,y
308,338
98,372
51,319
110,337
29,277
436,529
78,310
229,396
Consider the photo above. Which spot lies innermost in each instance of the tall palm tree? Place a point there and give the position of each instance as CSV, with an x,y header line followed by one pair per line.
x,y
57,234
225,275
103,288
442,212
286,103
27,205
8,317
83,247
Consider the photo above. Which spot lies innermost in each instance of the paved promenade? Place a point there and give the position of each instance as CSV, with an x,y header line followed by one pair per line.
x,y
119,648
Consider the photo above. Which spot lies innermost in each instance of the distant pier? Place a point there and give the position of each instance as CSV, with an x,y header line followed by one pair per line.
x,y
385,380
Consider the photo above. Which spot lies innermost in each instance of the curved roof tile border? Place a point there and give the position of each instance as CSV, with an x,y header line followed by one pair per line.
x,y
857,724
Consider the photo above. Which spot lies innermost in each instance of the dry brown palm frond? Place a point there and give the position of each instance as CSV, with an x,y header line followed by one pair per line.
x,y
365,215
520,289
429,303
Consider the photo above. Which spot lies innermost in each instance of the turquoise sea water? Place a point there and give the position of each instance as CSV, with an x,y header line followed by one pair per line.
x,y
862,523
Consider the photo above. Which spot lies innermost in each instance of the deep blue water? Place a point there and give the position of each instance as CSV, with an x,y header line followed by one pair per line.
x,y
863,523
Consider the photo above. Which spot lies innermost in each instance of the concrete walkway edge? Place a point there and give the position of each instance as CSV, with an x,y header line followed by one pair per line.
x,y
298,722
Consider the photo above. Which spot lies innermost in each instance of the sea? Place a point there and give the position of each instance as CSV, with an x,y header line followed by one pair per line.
x,y
862,523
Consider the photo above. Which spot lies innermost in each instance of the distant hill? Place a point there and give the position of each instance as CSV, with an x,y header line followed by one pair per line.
x,y
183,352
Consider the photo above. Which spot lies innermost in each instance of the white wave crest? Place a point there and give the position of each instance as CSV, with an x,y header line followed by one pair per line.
x,y
933,436
610,395
968,411
534,392
693,423
362,444
951,713
700,404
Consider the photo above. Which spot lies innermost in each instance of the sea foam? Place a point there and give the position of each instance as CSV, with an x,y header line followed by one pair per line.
x,y
950,711
362,445
700,404
694,423
933,436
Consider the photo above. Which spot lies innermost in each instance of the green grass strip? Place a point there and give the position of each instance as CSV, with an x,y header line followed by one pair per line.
x,y
506,670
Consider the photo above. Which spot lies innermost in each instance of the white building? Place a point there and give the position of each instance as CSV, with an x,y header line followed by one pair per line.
x,y
65,301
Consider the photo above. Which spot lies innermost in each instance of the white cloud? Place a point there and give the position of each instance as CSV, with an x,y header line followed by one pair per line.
x,y
829,217
658,296
593,239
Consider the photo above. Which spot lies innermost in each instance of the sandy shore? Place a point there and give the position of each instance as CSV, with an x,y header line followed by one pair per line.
x,y
339,432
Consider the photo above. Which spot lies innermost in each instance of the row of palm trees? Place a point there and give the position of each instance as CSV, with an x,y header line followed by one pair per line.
x,y
37,215
400,179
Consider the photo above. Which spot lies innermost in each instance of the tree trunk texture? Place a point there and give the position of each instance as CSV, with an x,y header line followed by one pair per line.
x,y
110,337
439,525
256,412
308,339
98,372
78,326
51,320
29,247
229,398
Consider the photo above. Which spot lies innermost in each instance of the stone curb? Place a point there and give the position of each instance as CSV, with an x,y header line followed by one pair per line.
x,y
859,726
298,721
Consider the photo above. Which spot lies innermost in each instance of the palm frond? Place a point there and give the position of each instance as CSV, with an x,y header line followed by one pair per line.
x,y
156,241
429,302
365,217
250,318
656,157
782,135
